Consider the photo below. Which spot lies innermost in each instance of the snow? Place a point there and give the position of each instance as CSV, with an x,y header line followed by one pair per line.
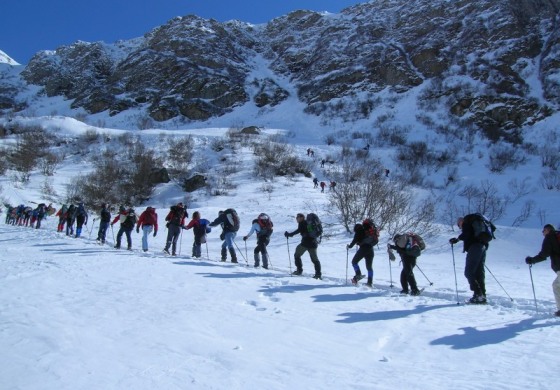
x,y
77,315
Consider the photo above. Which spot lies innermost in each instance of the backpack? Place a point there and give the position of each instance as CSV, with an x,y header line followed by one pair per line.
x,y
314,226
483,229
265,224
414,244
371,232
130,219
232,219
177,215
204,224
81,211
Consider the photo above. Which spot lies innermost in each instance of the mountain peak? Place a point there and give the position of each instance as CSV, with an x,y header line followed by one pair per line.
x,y
6,59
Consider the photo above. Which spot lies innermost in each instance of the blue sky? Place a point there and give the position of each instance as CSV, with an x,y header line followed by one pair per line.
x,y
27,26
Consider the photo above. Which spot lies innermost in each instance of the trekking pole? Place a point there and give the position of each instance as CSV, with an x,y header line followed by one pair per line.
x,y
289,255
346,280
246,255
455,272
533,285
420,269
207,255
498,282
113,232
241,253
180,241
390,274
92,225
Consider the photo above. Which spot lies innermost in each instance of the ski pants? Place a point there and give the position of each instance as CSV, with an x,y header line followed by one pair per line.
x,y
126,231
407,273
474,268
300,250
173,233
102,233
364,252
262,242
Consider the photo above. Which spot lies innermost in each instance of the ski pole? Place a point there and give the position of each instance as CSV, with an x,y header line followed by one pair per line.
x,y
180,241
92,225
390,274
289,255
246,255
207,255
498,282
113,232
533,285
346,279
241,253
455,272
420,269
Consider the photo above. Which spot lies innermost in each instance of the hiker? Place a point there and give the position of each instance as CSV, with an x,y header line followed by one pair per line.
x,y
175,222
333,185
263,227
323,161
315,182
408,253
323,185
70,219
61,214
550,248
148,223
127,218
387,172
41,212
104,221
81,218
200,228
365,251
229,221
309,243
476,256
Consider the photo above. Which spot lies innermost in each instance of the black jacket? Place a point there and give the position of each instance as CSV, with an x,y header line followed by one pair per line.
x,y
467,232
306,240
550,248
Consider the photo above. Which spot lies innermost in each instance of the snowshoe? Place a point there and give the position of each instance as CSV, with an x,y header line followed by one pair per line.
x,y
357,278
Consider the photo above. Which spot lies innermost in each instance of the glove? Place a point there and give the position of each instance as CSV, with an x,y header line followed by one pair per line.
x,y
184,227
392,256
167,225
453,240
529,260
112,223
222,236
155,233
137,230
348,247
286,234
245,238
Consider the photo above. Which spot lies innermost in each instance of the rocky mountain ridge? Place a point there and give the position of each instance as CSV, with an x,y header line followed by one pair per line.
x,y
479,61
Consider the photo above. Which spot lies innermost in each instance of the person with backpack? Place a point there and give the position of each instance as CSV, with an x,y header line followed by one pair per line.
x,y
175,222
365,239
550,248
229,221
475,239
409,247
127,218
200,229
148,223
81,218
70,219
41,211
104,221
263,228
309,230
61,214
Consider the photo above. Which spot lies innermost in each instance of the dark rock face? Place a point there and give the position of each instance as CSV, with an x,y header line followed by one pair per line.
x,y
468,55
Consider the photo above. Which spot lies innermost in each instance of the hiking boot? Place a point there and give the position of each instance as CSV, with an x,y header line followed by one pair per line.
x,y
317,276
297,272
234,261
404,292
370,285
557,314
166,251
415,292
117,247
478,300
357,278
265,267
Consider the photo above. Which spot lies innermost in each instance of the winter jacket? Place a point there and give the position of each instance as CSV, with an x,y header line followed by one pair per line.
x,y
176,216
105,215
467,232
148,218
306,240
550,248
360,237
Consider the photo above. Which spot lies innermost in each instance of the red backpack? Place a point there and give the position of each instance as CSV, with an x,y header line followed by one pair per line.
x,y
372,232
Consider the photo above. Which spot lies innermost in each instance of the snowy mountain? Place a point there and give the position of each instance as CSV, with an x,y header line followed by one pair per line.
x,y
490,64
6,59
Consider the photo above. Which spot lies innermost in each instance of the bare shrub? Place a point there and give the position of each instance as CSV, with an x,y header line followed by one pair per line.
x,y
502,156
180,152
278,159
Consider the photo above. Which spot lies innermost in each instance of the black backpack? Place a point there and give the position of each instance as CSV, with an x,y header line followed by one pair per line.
x,y
483,229
232,220
314,226
130,219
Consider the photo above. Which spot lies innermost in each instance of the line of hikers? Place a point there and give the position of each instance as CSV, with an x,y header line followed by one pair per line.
x,y
476,233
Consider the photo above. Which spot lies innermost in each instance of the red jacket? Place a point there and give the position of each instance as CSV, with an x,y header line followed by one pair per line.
x,y
148,218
